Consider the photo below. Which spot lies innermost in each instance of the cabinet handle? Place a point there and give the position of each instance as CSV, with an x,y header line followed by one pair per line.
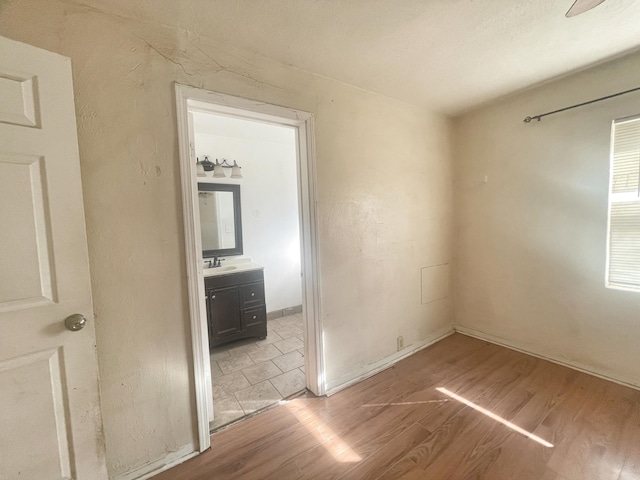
x,y
213,296
255,316
253,294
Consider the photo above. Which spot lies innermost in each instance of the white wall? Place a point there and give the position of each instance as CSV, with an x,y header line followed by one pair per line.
x,y
269,196
378,224
531,242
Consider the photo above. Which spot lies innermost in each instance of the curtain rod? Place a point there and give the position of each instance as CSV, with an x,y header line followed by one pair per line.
x,y
538,117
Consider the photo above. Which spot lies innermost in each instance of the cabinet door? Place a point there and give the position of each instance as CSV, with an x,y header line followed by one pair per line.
x,y
225,312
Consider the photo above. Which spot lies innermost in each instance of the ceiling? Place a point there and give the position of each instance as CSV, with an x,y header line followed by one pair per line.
x,y
448,55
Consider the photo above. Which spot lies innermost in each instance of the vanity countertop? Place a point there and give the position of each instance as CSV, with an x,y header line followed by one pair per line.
x,y
232,265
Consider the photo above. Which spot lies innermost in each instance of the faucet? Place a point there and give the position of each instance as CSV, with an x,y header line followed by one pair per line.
x,y
215,262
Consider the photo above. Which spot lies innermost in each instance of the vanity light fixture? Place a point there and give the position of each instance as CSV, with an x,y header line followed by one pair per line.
x,y
204,166
200,169
207,165
218,169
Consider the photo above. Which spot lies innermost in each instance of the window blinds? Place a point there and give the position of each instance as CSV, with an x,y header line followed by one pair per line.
x,y
623,258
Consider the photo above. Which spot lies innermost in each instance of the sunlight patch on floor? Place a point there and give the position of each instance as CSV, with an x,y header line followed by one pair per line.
x,y
495,417
338,449
417,402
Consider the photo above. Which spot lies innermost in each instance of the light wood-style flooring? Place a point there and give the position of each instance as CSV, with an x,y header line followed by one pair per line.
x,y
498,414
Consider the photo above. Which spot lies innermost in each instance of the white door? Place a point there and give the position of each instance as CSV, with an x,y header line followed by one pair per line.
x,y
50,420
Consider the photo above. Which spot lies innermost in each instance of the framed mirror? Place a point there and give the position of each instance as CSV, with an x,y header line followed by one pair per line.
x,y
220,219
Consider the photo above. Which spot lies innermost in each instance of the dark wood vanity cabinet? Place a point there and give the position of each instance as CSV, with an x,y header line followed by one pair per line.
x,y
235,306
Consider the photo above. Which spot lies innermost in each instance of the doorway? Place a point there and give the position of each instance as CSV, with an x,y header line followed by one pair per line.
x,y
251,373
274,147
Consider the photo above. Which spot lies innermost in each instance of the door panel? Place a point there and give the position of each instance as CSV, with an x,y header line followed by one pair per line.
x,y
27,280
18,103
51,426
33,383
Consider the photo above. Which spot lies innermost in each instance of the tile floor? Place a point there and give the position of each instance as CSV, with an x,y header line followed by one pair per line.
x,y
252,374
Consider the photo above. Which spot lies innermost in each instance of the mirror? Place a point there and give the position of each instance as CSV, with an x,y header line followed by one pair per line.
x,y
220,219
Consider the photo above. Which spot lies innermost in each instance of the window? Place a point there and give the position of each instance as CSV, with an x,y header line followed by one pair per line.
x,y
623,242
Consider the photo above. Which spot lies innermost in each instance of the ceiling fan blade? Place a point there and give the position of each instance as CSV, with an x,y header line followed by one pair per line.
x,y
581,6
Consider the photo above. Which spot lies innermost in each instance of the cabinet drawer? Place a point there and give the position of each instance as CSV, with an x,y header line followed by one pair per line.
x,y
253,317
251,295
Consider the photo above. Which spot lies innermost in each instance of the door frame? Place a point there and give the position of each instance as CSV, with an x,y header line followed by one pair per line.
x,y
221,104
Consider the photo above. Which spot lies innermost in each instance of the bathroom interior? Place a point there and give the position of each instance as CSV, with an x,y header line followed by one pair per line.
x,y
248,203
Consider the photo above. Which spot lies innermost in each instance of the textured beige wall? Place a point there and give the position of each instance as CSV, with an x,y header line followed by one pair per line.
x,y
530,244
384,206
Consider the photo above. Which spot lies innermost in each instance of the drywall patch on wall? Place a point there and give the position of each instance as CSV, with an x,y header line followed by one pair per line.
x,y
434,282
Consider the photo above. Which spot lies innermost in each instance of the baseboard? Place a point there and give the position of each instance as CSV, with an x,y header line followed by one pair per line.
x,y
284,312
154,468
470,332
387,362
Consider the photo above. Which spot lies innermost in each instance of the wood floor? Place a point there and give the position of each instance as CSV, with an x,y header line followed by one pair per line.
x,y
396,425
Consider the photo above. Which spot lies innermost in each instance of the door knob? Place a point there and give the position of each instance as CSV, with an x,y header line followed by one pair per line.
x,y
75,322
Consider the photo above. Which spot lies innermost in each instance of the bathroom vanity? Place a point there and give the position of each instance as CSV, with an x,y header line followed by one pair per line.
x,y
235,303
234,287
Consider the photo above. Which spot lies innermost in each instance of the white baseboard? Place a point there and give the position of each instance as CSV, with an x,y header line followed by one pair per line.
x,y
387,362
154,468
565,363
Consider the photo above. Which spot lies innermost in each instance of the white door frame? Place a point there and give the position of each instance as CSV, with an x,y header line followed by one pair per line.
x,y
221,104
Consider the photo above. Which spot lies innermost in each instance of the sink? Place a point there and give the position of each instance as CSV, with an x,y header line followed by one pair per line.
x,y
241,266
